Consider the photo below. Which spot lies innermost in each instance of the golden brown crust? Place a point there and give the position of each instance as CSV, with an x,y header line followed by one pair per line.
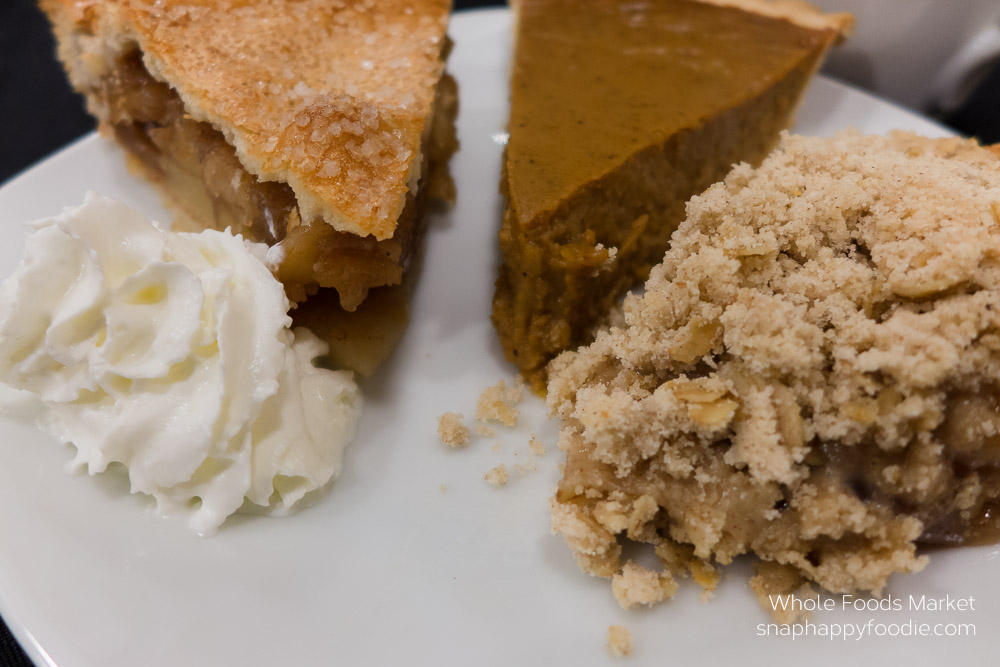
x,y
332,97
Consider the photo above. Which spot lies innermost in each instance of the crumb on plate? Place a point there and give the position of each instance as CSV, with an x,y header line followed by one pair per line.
x,y
452,431
496,476
496,403
523,469
619,641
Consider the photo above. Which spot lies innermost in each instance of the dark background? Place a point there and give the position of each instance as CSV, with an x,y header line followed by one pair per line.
x,y
39,114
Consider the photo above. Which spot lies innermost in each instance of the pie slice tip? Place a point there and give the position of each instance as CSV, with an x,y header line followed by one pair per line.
x,y
320,127
620,112
294,87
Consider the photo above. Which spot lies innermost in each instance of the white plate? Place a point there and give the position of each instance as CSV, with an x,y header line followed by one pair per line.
x,y
388,569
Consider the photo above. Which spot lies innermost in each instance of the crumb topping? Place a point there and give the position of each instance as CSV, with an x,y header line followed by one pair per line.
x,y
636,585
810,374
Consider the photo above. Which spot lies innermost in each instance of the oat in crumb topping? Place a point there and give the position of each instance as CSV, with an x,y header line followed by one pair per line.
x,y
496,476
496,403
619,641
810,375
452,431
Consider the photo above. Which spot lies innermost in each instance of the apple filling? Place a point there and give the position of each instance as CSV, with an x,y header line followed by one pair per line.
x,y
201,174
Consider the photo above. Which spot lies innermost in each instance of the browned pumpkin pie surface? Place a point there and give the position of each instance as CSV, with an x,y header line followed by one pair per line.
x,y
620,112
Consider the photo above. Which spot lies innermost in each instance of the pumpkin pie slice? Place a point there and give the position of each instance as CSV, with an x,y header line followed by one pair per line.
x,y
321,128
620,111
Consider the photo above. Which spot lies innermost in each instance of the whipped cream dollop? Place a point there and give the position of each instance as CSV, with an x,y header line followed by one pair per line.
x,y
171,353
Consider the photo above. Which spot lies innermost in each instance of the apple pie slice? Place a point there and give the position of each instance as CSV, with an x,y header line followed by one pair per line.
x,y
320,127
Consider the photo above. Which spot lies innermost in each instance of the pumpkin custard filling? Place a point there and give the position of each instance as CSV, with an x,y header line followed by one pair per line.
x,y
619,113
810,377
